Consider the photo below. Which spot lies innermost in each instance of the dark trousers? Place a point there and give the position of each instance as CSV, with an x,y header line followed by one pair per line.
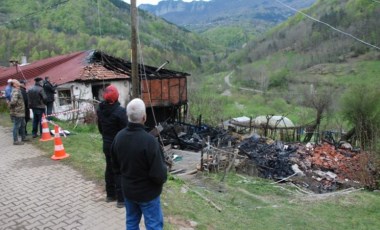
x,y
26,126
37,117
25,130
49,109
113,181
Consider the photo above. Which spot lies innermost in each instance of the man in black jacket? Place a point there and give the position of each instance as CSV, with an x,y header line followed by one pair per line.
x,y
36,100
49,89
140,161
111,119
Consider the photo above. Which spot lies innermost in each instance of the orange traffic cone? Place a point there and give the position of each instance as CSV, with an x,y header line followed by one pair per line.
x,y
59,151
45,136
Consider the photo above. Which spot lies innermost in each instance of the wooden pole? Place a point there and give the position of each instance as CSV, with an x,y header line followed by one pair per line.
x,y
135,73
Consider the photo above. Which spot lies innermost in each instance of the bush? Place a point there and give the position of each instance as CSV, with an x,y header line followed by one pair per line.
x,y
3,105
279,79
361,107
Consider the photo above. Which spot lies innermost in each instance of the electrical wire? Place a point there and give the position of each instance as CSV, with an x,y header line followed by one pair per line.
x,y
22,74
330,26
19,70
145,80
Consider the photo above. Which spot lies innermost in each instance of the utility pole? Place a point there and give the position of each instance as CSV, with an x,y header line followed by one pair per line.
x,y
15,64
135,72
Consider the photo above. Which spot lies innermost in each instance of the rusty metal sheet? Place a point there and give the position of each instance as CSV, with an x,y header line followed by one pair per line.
x,y
164,92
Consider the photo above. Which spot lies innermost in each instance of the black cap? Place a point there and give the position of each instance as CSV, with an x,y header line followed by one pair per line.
x,y
37,79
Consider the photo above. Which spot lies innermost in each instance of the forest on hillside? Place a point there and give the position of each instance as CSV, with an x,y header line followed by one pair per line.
x,y
320,68
290,64
41,29
317,42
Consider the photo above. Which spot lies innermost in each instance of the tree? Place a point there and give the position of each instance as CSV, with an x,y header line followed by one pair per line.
x,y
320,101
361,108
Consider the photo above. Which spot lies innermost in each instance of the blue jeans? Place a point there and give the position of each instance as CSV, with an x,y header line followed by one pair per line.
x,y
37,117
18,127
151,210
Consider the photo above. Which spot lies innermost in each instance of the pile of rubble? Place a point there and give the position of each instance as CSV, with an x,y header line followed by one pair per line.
x,y
192,137
332,168
320,168
271,158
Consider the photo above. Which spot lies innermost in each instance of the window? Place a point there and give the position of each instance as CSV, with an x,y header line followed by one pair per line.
x,y
64,96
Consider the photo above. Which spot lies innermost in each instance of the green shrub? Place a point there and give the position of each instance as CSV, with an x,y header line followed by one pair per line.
x,y
3,105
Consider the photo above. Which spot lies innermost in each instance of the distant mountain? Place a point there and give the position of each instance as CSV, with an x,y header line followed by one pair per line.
x,y
40,29
200,15
222,16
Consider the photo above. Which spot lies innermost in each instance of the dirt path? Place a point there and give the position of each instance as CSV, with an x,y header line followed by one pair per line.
x,y
228,82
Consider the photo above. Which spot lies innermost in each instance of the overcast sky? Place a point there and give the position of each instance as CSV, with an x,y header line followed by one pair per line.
x,y
153,2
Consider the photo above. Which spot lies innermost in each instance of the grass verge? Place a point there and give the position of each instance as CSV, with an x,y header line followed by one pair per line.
x,y
245,202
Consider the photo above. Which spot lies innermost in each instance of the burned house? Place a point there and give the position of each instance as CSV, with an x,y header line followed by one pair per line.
x,y
81,77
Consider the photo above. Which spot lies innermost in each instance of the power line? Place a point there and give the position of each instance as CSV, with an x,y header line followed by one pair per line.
x,y
328,25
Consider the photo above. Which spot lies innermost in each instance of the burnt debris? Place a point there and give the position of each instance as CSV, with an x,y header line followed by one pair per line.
x,y
272,159
324,167
191,137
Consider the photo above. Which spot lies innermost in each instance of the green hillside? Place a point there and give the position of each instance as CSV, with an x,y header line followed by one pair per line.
x,y
306,70
309,42
44,28
302,52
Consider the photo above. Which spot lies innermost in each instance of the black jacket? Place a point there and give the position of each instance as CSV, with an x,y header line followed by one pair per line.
x,y
36,97
49,90
111,119
25,97
140,161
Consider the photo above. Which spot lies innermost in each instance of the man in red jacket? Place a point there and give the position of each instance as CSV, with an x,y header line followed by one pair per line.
x,y
140,161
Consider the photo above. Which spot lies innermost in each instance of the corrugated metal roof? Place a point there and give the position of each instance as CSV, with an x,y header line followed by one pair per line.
x,y
60,69
80,66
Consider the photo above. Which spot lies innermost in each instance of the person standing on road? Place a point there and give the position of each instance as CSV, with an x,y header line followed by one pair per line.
x,y
36,99
50,90
140,161
111,119
17,112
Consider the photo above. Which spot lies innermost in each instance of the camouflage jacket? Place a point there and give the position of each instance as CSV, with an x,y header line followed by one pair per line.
x,y
16,105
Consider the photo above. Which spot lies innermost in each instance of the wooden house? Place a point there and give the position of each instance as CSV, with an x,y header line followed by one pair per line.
x,y
82,76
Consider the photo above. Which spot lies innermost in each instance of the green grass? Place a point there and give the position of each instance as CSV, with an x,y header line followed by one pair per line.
x,y
246,202
257,204
208,101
